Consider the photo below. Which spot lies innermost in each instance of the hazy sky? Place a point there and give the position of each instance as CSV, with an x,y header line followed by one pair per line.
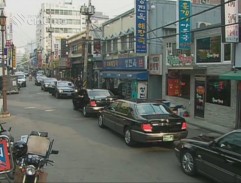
x,y
24,31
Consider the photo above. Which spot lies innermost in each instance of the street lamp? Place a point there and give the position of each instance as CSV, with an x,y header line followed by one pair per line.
x,y
4,87
88,11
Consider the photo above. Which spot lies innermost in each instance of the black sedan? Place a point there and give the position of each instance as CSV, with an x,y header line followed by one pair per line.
x,y
91,101
46,83
218,158
143,122
63,89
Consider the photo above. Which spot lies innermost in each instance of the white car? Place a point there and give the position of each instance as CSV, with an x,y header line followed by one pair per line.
x,y
21,79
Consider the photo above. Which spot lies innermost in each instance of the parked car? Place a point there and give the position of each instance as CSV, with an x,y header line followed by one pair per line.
x,y
91,101
143,121
21,79
39,79
63,89
46,82
216,157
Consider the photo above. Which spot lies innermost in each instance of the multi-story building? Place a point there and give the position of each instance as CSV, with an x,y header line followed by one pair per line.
x,y
59,21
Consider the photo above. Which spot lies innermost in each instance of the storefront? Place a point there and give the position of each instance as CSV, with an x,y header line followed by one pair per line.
x,y
126,77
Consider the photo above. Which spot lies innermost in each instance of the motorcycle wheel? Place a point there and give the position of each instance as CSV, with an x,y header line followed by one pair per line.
x,y
31,179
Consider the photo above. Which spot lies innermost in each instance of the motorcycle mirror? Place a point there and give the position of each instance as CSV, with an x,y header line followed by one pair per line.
x,y
54,152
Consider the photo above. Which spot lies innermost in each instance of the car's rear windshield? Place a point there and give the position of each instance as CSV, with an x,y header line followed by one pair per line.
x,y
20,76
149,109
100,93
69,84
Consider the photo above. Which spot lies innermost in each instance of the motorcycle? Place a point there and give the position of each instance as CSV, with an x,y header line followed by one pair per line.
x,y
31,154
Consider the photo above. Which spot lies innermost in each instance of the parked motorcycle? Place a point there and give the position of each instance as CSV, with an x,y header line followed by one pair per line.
x,y
31,154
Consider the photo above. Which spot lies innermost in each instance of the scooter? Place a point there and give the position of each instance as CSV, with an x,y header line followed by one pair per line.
x,y
31,154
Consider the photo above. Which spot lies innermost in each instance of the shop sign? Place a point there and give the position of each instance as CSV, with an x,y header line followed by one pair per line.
x,y
142,90
181,60
173,87
231,27
135,63
155,64
184,25
199,97
141,21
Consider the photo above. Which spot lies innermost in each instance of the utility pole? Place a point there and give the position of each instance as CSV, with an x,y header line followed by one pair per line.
x,y
50,31
88,11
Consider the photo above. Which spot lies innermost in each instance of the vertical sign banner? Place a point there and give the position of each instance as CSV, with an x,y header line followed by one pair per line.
x,y
184,25
141,23
14,57
199,98
231,17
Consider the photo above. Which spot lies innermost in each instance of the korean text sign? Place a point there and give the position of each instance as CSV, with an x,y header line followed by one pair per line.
x,y
141,23
184,27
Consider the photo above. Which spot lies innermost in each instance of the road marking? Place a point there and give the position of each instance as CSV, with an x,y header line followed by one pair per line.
x,y
29,107
49,110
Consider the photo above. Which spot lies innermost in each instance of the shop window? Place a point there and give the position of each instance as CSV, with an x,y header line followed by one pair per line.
x,y
178,84
208,50
227,52
218,91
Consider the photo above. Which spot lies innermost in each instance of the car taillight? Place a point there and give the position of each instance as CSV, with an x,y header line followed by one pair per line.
x,y
92,103
146,127
184,126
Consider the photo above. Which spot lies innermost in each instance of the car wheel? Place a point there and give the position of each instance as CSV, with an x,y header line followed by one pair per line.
x,y
56,95
101,121
188,163
84,112
128,137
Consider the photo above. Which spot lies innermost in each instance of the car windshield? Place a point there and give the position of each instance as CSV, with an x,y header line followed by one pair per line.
x,y
49,80
99,93
146,109
68,84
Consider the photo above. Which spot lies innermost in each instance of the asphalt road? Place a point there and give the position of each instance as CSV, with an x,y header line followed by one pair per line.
x,y
88,153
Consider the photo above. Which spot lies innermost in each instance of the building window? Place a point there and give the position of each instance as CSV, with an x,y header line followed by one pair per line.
x,y
218,91
109,46
123,42
115,45
178,84
227,52
131,41
208,50
103,47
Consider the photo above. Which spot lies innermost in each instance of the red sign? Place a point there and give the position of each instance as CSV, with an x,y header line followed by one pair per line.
x,y
174,87
5,164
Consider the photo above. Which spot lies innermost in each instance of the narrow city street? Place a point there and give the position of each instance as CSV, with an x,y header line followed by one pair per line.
x,y
88,153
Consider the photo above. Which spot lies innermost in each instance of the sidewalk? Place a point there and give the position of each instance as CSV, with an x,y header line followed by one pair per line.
x,y
207,125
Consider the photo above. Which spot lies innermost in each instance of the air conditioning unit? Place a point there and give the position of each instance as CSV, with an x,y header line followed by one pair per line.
x,y
204,1
202,24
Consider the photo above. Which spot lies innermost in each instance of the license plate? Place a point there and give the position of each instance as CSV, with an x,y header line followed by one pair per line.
x,y
168,138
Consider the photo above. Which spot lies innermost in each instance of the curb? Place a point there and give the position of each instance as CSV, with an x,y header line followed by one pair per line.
x,y
5,115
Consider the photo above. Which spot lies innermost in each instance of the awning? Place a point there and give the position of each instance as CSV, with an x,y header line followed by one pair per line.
x,y
137,75
231,75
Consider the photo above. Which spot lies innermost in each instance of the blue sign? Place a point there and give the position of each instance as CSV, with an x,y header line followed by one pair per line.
x,y
184,25
141,19
134,63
